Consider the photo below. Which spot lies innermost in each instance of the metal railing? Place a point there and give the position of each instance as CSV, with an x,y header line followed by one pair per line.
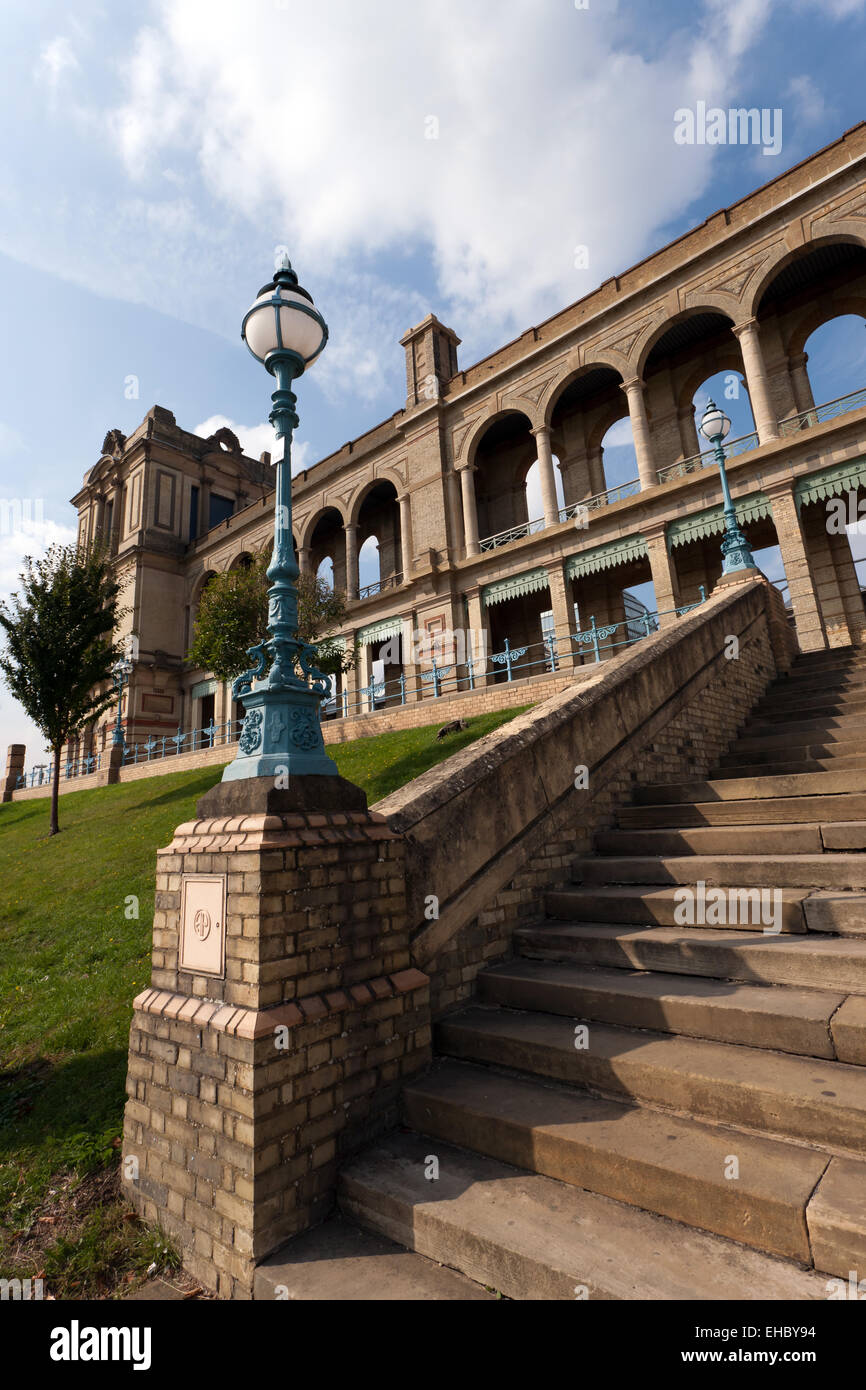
x,y
392,582
553,653
818,414
514,533
707,459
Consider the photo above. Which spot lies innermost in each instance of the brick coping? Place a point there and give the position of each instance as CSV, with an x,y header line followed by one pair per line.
x,y
258,1023
271,830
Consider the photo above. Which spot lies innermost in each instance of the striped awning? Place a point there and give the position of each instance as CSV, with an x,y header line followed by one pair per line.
x,y
381,631
605,557
203,689
831,482
711,522
529,582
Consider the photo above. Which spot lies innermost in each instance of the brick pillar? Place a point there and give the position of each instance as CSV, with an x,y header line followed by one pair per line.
x,y
282,1018
798,570
849,586
478,636
563,615
15,754
826,579
663,573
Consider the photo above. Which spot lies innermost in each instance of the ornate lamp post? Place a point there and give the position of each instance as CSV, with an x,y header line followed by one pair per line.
x,y
283,690
736,551
122,670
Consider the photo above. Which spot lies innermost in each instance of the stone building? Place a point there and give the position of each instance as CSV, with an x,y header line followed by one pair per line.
x,y
441,483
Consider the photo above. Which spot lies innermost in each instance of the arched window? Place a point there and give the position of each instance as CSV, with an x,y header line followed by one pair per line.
x,y
325,572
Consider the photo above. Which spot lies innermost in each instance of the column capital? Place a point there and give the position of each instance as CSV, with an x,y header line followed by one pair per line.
x,y
540,429
634,383
747,326
350,526
781,487
654,530
465,468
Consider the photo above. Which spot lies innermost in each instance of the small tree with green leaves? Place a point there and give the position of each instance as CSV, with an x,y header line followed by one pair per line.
x,y
233,616
59,649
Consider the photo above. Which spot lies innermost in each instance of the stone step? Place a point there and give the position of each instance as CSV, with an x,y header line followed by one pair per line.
x,y
786,1020
749,788
827,870
677,1167
849,725
790,769
338,1262
774,708
710,839
809,961
780,746
647,904
829,657
534,1238
818,1102
780,810
844,675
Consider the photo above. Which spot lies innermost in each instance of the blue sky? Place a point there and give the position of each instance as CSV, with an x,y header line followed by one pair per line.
x,y
154,156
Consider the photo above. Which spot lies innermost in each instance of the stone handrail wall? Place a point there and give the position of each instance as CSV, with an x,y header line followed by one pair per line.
x,y
502,818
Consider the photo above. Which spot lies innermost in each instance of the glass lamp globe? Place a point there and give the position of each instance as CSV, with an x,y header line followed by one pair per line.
x,y
283,318
715,424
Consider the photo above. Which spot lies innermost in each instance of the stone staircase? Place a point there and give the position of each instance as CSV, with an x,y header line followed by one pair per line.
x,y
644,1104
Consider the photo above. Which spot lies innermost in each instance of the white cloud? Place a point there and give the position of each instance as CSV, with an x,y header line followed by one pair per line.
x,y
807,100
256,440
55,58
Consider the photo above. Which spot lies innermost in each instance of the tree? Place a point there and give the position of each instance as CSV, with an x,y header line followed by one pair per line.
x,y
233,616
59,649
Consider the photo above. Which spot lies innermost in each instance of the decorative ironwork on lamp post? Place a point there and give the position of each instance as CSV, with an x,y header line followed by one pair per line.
x,y
121,671
736,551
283,690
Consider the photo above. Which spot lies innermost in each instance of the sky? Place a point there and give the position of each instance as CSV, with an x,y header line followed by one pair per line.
x,y
490,164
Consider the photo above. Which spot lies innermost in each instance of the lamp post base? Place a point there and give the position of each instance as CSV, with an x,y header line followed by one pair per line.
x,y
281,738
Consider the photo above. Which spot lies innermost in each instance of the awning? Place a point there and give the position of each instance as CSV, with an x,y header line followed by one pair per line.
x,y
527,583
832,482
203,689
381,631
605,557
711,522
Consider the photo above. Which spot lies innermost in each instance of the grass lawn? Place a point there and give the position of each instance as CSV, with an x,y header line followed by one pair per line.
x,y
75,923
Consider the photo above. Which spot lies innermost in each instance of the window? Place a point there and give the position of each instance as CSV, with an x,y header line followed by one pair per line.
x,y
221,508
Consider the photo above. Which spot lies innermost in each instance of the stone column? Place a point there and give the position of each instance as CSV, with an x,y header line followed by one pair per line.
x,y
304,553
595,466
646,465
352,579
563,615
663,572
798,570
470,510
547,477
282,1019
688,432
15,754
800,383
756,380
406,536
478,637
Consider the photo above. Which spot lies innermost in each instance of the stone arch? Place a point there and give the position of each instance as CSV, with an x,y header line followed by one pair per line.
x,y
358,498
315,517
816,318
656,332
847,233
599,362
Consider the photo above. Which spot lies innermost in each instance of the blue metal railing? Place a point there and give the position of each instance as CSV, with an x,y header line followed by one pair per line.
x,y
553,653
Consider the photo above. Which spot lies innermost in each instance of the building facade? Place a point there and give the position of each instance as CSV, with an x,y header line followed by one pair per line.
x,y
441,484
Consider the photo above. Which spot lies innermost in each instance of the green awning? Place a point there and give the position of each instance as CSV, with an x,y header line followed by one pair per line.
x,y
832,482
203,689
605,557
380,632
711,522
527,583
